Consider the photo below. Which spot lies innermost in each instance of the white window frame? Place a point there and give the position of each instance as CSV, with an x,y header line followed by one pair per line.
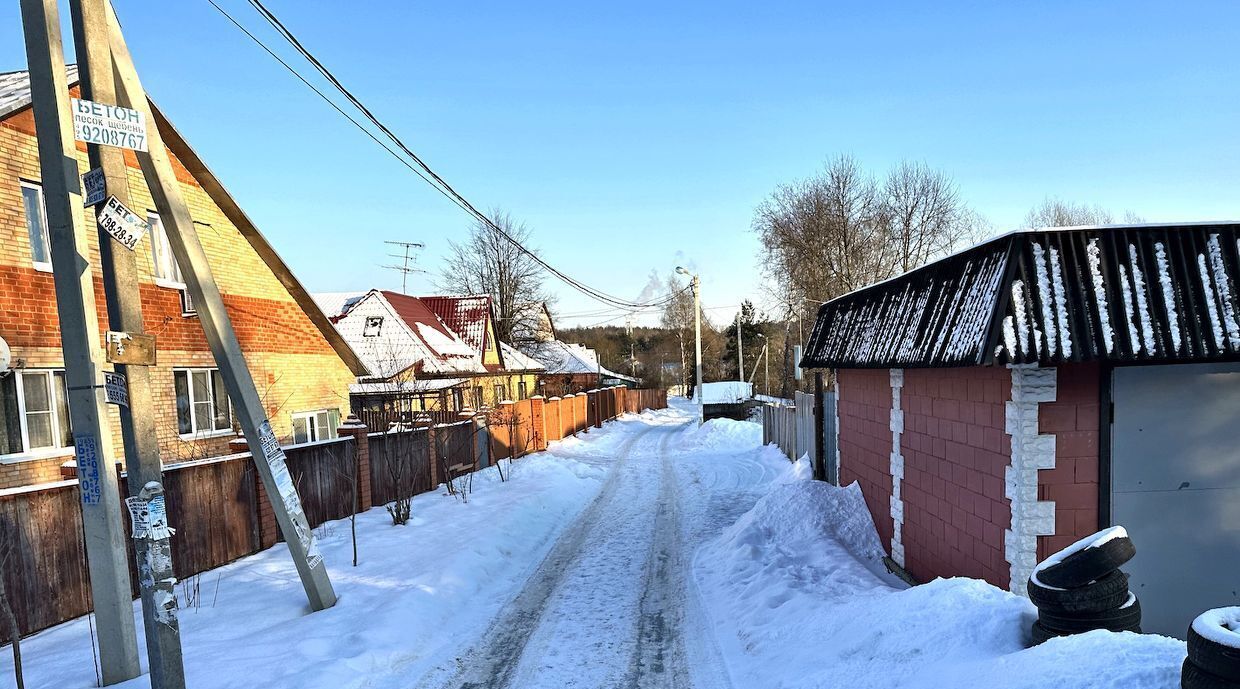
x,y
166,271
42,266
195,432
55,449
312,426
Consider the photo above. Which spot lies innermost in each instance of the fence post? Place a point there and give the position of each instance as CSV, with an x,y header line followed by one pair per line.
x,y
354,428
538,422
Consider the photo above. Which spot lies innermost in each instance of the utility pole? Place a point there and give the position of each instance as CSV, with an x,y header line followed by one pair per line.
x,y
404,268
740,348
120,287
217,326
697,329
628,331
79,336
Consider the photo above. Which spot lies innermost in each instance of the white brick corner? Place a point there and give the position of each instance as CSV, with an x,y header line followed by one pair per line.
x,y
1031,452
897,467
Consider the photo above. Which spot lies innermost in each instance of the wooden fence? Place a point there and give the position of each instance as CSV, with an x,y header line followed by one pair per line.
x,y
220,508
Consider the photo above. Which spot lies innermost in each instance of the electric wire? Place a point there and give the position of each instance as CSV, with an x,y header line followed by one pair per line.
x,y
426,173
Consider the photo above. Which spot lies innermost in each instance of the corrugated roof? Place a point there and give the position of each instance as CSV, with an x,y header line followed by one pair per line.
x,y
561,358
467,316
15,89
516,360
1156,293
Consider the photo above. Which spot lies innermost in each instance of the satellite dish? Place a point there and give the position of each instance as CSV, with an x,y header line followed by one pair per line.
x,y
6,356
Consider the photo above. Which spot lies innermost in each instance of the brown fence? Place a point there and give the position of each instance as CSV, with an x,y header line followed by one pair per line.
x,y
220,509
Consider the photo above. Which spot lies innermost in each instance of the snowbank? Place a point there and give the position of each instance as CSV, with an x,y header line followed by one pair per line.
x,y
800,599
722,434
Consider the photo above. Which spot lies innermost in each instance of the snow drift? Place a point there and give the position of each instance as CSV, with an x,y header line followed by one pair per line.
x,y
800,598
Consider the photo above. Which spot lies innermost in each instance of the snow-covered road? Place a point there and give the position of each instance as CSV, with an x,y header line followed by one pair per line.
x,y
609,605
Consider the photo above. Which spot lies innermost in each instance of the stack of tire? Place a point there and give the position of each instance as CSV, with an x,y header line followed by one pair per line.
x,y
1080,588
1213,651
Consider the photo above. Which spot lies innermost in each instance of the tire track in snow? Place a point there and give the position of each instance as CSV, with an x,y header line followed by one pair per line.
x,y
493,662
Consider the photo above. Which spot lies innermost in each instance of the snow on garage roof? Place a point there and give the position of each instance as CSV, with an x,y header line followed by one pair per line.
x,y
1123,293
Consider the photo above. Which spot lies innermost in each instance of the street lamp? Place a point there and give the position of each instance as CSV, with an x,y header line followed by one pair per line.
x,y
697,327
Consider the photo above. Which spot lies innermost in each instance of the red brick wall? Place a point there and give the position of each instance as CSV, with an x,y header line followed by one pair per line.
x,y
1073,484
955,455
865,440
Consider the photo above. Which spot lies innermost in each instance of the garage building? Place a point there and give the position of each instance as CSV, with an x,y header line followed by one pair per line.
x,y
1002,402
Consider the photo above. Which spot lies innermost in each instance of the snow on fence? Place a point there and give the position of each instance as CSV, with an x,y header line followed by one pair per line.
x,y
791,428
220,509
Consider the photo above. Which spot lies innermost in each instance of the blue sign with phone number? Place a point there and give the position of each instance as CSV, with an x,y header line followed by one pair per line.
x,y
88,469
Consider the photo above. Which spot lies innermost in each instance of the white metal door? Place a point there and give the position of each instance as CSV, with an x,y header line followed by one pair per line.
x,y
1175,472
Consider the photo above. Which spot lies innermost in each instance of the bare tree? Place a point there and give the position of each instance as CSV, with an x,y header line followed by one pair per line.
x,y
924,214
677,316
487,262
1055,212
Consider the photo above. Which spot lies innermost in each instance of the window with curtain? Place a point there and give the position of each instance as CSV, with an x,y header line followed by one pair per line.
x,y
36,225
34,412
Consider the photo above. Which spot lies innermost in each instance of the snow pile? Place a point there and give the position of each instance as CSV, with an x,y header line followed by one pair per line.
x,y
421,592
799,598
722,434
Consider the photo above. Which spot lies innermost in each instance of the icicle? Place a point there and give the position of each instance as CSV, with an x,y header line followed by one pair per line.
x,y
1046,299
1168,290
1223,285
1208,291
1061,304
1104,314
1131,318
1138,281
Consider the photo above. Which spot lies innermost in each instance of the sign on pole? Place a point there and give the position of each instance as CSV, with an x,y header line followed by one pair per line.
x,y
108,125
123,224
94,187
131,349
115,388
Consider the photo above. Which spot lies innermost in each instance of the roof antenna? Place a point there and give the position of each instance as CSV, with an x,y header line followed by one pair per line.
x,y
405,268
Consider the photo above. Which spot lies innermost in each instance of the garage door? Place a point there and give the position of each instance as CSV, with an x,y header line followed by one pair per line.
x,y
1175,473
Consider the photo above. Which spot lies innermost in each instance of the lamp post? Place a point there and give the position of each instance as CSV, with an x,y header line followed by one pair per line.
x,y
697,337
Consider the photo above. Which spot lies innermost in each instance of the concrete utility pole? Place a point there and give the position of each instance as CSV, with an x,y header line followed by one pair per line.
x,y
120,286
216,325
697,329
79,336
740,348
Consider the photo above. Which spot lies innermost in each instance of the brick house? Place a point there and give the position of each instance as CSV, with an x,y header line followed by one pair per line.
x,y
437,355
301,366
1001,403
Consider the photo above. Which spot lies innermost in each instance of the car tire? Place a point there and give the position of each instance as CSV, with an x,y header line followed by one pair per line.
x,y
1041,634
1107,593
1193,677
1089,564
1218,659
1126,618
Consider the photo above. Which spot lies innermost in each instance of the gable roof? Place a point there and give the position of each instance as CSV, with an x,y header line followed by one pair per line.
x,y
515,360
336,304
562,358
15,96
1156,293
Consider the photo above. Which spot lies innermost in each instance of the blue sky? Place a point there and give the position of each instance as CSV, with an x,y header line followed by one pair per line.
x,y
633,138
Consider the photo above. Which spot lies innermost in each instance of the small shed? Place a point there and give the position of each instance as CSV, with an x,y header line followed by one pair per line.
x,y
1004,401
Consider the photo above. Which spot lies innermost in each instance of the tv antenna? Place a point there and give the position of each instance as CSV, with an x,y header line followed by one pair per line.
x,y
407,259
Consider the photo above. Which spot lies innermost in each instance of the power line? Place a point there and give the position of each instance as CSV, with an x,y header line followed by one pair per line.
x,y
427,174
